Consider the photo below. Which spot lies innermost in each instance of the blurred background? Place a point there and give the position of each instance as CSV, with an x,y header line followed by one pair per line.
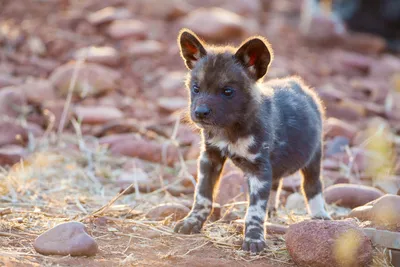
x,y
92,95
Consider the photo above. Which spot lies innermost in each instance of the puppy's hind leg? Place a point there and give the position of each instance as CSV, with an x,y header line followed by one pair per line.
x,y
312,188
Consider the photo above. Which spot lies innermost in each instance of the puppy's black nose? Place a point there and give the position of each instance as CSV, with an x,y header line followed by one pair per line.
x,y
202,112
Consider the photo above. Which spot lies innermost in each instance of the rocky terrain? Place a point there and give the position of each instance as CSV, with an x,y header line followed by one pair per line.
x,y
94,138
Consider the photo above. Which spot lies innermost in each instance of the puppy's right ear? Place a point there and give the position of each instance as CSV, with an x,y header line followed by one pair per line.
x,y
191,47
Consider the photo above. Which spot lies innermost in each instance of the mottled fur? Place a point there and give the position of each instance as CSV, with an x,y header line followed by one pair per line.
x,y
269,130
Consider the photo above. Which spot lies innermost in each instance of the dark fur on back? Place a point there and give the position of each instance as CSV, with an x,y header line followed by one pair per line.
x,y
269,130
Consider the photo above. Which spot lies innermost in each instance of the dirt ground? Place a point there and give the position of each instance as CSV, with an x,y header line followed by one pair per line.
x,y
77,173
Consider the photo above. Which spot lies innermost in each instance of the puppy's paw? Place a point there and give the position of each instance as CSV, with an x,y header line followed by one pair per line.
x,y
188,226
254,245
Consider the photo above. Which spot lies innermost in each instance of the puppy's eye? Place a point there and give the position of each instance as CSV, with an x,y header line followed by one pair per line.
x,y
228,92
195,89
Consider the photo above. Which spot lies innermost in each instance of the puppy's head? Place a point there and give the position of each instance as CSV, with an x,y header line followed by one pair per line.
x,y
222,79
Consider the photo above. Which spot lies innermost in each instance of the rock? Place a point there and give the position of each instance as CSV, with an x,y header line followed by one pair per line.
x,y
146,150
38,91
364,43
106,55
171,9
172,83
335,127
244,7
92,79
336,145
97,114
355,61
160,212
383,212
214,24
12,102
395,256
295,201
12,133
121,29
135,175
11,154
350,195
362,213
276,229
8,80
388,184
328,243
233,187
346,109
187,136
172,104
292,183
108,14
69,238
146,48
383,238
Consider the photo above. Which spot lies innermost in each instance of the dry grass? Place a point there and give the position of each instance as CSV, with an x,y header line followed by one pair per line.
x,y
70,177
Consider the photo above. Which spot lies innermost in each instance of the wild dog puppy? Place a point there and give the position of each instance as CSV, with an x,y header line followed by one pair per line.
x,y
269,130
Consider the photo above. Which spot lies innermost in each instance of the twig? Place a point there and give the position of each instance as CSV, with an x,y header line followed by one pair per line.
x,y
72,84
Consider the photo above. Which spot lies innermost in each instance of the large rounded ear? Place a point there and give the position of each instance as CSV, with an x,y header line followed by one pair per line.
x,y
191,47
255,54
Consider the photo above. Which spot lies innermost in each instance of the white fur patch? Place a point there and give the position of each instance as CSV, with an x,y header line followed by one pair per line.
x,y
255,184
239,148
316,206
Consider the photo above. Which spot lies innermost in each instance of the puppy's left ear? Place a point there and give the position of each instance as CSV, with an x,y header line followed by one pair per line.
x,y
255,54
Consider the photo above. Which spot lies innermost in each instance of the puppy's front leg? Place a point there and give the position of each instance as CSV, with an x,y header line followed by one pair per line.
x,y
210,165
259,189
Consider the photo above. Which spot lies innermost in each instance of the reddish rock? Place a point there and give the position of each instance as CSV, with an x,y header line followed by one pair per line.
x,y
328,243
395,256
233,187
193,152
69,238
99,54
171,9
335,127
97,114
350,196
388,184
8,80
160,212
146,48
383,212
12,133
12,102
244,7
276,229
108,14
121,29
214,23
186,135
92,79
114,139
11,154
38,91
146,150
364,43
362,213
172,104
354,60
292,183
172,84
